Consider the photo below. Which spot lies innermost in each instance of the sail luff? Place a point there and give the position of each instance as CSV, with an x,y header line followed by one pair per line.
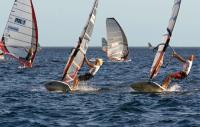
x,y
3,47
159,58
174,15
36,32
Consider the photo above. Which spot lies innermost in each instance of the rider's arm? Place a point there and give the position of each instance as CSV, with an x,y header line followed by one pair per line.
x,y
180,58
91,65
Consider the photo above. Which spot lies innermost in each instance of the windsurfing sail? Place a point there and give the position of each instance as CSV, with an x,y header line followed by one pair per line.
x,y
104,44
159,58
76,58
20,38
117,44
150,45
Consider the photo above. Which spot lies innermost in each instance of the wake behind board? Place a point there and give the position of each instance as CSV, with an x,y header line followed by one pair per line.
x,y
58,86
148,87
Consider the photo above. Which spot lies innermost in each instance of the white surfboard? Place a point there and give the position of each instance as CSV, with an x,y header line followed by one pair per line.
x,y
58,86
147,87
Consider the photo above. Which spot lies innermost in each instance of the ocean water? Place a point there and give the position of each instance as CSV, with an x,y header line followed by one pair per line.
x,y
106,100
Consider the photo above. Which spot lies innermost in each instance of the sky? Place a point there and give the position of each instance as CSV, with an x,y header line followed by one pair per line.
x,y
60,22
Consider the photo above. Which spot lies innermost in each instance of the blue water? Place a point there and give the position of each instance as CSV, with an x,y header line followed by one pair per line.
x,y
106,100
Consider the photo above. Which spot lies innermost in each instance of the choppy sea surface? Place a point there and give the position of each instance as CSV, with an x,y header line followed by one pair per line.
x,y
106,100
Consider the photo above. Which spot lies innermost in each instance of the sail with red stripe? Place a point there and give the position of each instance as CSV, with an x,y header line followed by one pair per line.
x,y
117,44
20,38
159,57
76,58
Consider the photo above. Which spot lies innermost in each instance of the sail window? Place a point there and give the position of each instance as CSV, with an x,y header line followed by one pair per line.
x,y
13,28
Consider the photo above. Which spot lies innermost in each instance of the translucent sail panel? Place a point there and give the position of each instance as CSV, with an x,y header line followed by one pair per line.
x,y
117,45
76,58
150,45
104,44
158,60
175,11
21,32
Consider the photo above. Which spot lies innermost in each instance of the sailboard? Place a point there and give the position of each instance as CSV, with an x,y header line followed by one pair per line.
x,y
159,57
76,58
20,37
117,44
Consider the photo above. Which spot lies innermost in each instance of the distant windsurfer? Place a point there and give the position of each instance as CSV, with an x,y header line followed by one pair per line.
x,y
187,65
28,58
1,46
92,72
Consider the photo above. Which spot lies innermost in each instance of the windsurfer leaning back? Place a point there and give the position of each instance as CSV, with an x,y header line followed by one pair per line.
x,y
187,65
92,72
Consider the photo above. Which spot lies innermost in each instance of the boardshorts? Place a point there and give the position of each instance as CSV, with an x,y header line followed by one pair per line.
x,y
179,75
85,77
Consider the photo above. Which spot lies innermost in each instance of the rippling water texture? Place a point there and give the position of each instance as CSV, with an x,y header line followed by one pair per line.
x,y
106,100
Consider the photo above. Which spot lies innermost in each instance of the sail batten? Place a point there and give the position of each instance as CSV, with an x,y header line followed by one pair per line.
x,y
76,58
20,37
159,58
116,44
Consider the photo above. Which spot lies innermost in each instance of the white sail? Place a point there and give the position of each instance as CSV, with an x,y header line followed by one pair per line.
x,y
158,60
117,44
21,32
76,58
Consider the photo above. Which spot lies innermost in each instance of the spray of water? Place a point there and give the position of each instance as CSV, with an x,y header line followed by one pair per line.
x,y
175,88
85,87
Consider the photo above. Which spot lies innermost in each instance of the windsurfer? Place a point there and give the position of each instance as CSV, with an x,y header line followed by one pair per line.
x,y
1,55
1,46
30,55
28,58
92,72
187,65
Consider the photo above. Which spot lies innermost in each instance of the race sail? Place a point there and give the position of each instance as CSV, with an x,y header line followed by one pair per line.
x,y
159,58
76,58
20,38
104,45
117,44
149,45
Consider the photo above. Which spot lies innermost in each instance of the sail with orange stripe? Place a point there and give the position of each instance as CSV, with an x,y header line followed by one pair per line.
x,y
76,58
159,57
